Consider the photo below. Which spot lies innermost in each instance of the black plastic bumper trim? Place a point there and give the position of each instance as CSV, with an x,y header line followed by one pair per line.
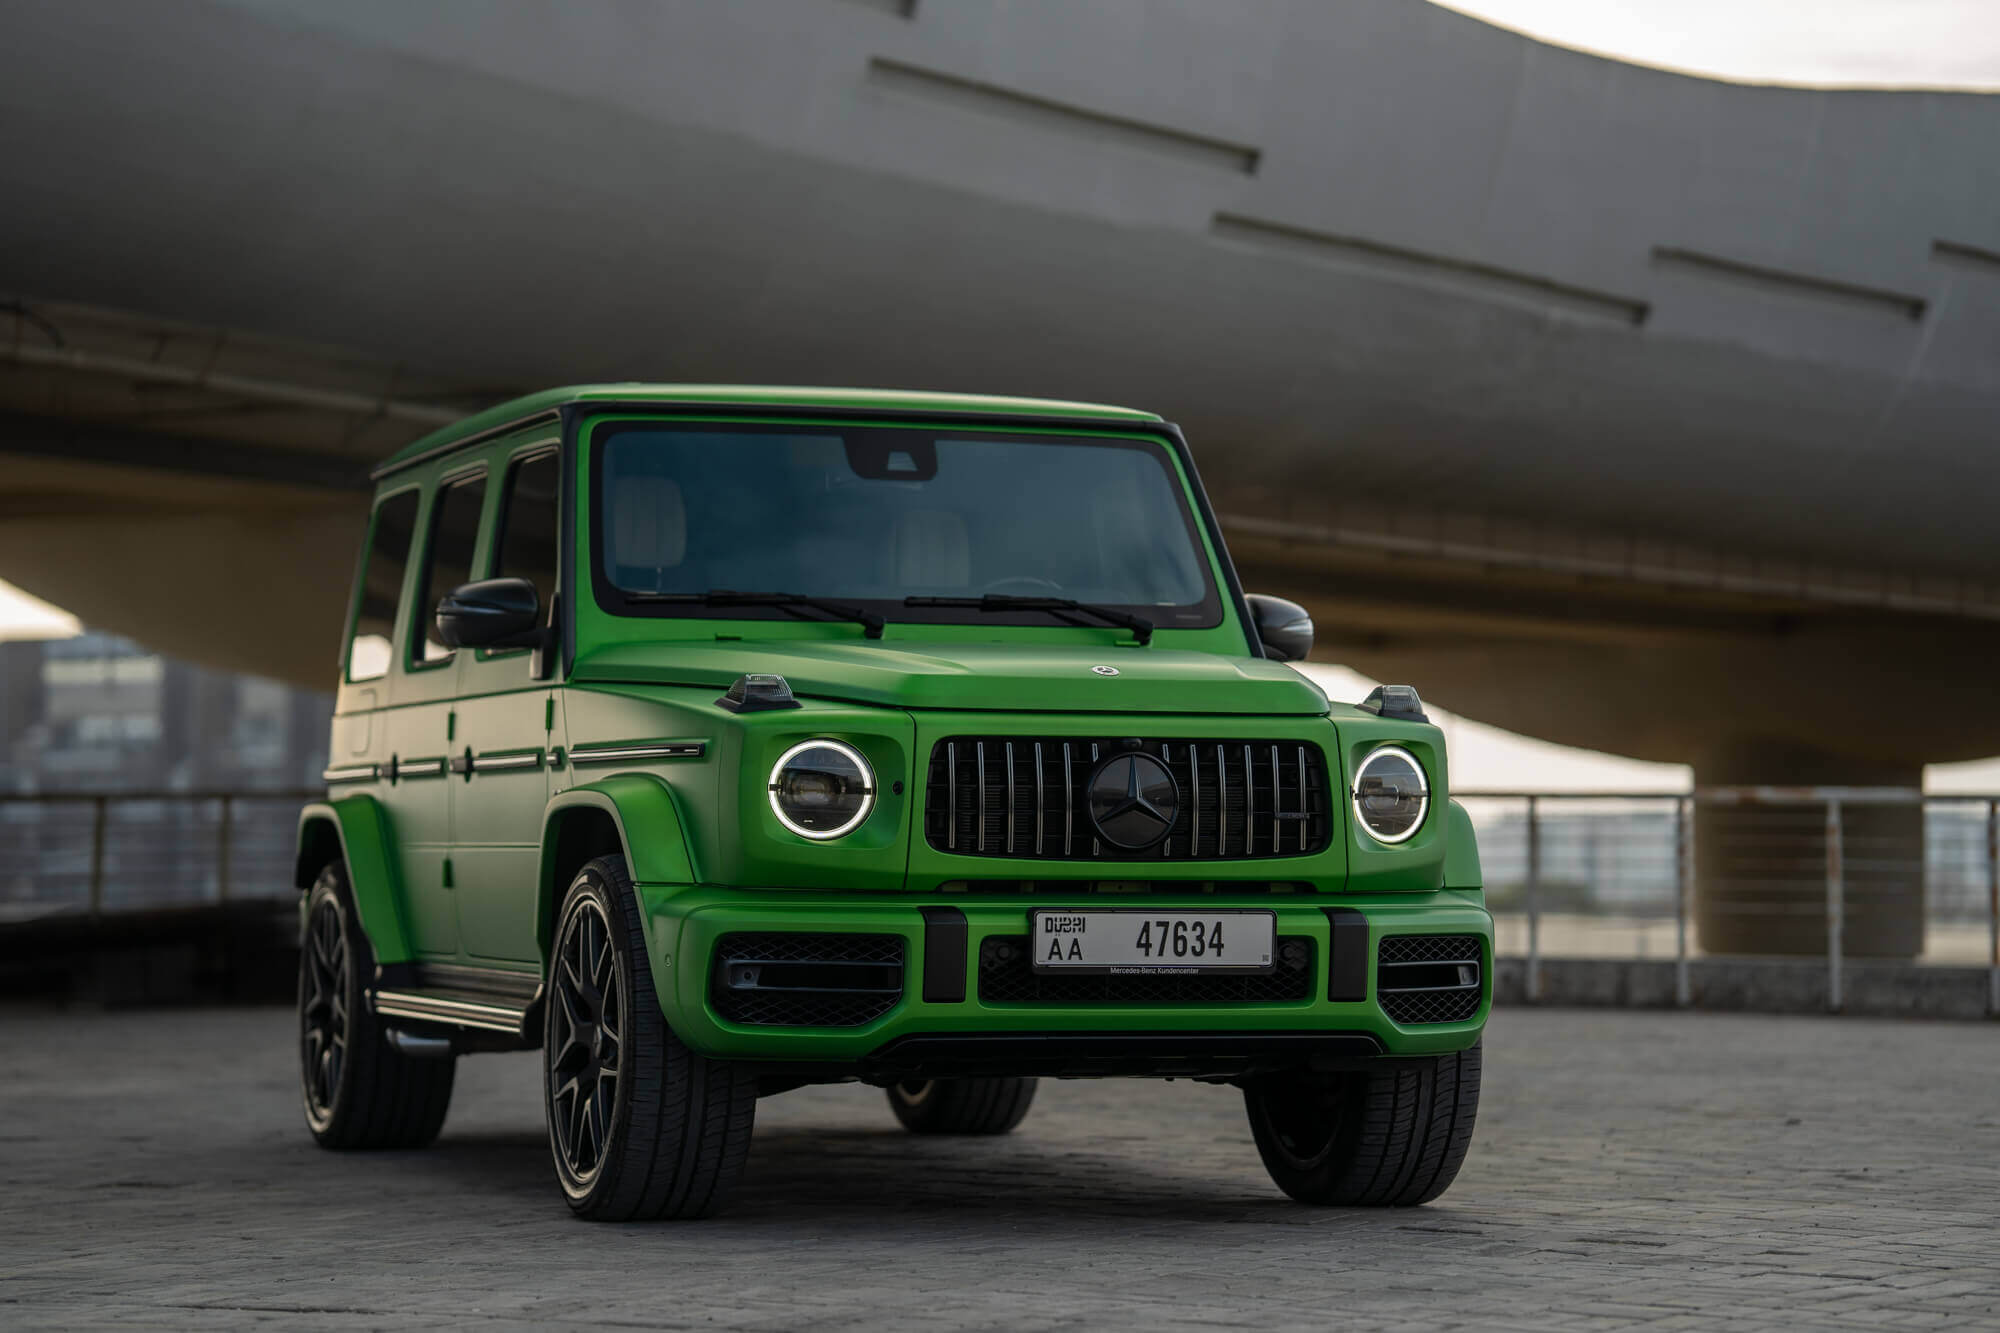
x,y
944,955
1347,955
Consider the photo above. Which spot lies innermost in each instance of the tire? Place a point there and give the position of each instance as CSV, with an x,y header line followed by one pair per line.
x,y
358,1091
962,1105
640,1127
1392,1135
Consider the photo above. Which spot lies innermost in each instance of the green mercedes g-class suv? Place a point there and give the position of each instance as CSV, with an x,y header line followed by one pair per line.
x,y
721,740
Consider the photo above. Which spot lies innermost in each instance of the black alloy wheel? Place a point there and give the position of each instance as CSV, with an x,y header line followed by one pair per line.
x,y
1391,1134
323,1015
356,1088
587,1024
640,1126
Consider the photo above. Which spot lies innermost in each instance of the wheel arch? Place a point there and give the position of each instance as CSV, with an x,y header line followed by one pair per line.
x,y
628,814
355,831
1461,853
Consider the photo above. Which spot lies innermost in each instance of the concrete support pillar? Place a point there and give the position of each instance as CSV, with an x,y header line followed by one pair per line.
x,y
1760,870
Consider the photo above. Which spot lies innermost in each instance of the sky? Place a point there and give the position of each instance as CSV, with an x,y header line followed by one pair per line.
x,y
1893,43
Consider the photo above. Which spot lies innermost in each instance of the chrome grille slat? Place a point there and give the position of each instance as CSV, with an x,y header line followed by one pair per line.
x,y
1010,798
1215,820
1040,800
1069,800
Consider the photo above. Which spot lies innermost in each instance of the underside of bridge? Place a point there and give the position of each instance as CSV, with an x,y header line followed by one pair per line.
x,y
1614,407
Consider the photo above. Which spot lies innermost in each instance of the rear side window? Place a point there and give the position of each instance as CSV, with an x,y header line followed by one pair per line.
x,y
381,586
454,530
526,543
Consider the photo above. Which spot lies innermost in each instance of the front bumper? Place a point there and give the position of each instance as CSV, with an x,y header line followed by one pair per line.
x,y
684,925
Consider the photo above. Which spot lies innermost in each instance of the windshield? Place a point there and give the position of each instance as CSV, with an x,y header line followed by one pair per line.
x,y
871,516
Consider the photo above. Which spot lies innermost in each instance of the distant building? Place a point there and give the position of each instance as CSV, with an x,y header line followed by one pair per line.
x,y
99,713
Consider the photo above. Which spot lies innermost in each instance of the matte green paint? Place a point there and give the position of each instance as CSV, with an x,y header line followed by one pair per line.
x,y
1001,672
367,847
698,832
684,924
649,828
1461,853
782,397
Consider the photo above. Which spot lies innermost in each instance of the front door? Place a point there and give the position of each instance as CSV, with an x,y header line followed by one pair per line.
x,y
505,718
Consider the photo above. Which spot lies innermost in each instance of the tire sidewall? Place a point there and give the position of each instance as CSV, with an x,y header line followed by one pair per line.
x,y
593,886
329,893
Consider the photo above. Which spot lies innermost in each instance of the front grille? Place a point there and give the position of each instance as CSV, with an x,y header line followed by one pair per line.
x,y
1428,978
791,979
1008,976
1025,797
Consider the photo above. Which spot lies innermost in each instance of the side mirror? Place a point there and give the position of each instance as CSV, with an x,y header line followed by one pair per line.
x,y
492,613
1284,627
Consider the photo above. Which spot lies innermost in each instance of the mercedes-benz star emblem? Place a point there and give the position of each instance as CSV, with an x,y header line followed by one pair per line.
x,y
1105,671
1133,800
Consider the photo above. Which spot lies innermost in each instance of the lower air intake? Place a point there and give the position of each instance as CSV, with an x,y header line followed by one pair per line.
x,y
1429,978
1007,976
790,979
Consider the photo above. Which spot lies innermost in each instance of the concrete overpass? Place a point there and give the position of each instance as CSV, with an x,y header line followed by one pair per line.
x,y
1617,407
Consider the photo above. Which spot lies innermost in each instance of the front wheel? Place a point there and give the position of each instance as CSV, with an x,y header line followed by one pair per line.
x,y
962,1105
640,1126
1391,1135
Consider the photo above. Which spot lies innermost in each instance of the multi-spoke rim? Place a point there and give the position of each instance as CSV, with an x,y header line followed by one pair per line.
x,y
323,1018
587,1028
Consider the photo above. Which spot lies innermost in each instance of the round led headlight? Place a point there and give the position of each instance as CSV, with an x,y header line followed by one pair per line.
x,y
822,789
1391,796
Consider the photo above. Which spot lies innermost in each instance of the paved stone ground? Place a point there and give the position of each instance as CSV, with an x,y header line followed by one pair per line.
x,y
1630,1170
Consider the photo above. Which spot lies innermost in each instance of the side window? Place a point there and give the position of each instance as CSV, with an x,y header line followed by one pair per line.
x,y
525,546
454,529
381,586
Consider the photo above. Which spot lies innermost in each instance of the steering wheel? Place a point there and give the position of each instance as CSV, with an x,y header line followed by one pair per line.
x,y
1026,585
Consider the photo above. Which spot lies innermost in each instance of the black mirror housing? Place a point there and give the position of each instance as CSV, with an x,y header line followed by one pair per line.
x,y
1285,628
491,613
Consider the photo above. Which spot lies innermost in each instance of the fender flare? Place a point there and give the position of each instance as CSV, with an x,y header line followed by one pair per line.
x,y
640,803
1461,851
356,828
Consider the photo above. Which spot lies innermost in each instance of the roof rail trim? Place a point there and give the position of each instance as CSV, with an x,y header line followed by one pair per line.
x,y
439,450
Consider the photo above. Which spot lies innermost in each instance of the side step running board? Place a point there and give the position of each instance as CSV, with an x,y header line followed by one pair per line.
x,y
458,1009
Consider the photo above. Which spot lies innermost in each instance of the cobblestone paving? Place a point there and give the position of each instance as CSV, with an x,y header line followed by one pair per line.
x,y
1654,1171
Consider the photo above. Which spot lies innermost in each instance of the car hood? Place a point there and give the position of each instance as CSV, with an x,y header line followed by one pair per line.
x,y
1012,677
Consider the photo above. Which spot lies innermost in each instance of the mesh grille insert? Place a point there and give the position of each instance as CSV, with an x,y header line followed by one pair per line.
x,y
1429,978
794,979
1007,976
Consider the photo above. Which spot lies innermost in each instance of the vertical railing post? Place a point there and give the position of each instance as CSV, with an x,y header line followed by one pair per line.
x,y
97,804
222,829
1534,903
1683,992
1993,908
1836,904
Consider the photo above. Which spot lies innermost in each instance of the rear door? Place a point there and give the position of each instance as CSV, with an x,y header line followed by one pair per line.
x,y
421,728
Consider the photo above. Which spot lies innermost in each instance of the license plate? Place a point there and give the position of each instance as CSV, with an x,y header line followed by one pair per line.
x,y
1130,942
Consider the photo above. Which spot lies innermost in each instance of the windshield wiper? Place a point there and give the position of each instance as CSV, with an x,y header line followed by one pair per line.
x,y
1142,628
871,624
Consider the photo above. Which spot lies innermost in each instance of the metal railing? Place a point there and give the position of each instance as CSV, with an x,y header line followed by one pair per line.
x,y
1597,875
103,852
1612,875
